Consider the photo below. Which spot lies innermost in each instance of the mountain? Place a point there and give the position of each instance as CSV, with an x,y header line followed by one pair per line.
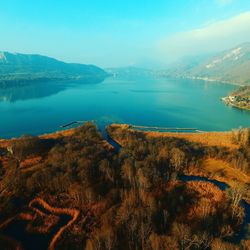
x,y
131,72
22,68
232,66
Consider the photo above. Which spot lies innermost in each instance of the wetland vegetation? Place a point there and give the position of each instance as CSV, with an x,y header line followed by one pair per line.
x,y
77,191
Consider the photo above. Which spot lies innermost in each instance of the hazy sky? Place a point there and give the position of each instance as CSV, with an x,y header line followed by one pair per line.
x,y
122,32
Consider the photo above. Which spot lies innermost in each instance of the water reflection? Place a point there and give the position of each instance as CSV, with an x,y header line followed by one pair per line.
x,y
152,102
39,90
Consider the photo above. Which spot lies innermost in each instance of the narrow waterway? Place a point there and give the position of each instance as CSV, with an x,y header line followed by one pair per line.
x,y
103,129
237,237
243,232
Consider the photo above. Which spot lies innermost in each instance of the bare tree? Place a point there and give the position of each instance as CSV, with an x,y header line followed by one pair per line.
x,y
236,192
177,158
241,136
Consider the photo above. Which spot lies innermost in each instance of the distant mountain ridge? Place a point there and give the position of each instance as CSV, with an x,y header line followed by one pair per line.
x,y
232,66
131,72
20,68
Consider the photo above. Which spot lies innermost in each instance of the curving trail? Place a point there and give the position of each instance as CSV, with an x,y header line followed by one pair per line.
x,y
74,213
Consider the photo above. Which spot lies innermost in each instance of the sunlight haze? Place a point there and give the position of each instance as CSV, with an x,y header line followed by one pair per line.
x,y
150,33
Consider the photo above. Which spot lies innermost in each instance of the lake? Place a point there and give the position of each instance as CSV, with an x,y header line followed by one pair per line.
x,y
44,107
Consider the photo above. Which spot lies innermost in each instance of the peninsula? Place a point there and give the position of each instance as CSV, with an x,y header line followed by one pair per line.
x,y
239,98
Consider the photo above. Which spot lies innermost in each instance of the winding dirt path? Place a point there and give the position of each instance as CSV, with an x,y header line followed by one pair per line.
x,y
74,213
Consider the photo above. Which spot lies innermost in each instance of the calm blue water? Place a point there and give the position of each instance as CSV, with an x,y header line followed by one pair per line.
x,y
160,102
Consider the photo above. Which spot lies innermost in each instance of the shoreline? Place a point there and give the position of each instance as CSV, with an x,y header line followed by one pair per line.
x,y
206,79
227,101
211,138
52,135
239,98
196,135
238,107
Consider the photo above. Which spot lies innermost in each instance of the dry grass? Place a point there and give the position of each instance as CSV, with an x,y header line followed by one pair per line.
x,y
223,171
220,139
30,162
220,171
4,143
207,190
219,244
210,196
246,244
58,134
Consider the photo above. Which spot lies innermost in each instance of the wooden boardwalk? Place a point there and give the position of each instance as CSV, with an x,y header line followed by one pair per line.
x,y
74,122
155,128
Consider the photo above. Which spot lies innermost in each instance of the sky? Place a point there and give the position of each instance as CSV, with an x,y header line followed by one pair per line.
x,y
115,33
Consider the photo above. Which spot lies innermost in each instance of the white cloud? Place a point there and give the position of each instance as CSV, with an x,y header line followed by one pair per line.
x,y
213,37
